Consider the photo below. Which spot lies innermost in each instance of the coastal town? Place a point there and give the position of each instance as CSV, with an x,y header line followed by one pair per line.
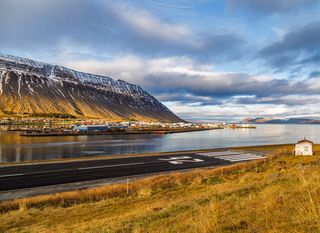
x,y
40,126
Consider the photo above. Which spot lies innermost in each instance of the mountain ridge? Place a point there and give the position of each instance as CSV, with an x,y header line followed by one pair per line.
x,y
263,120
28,86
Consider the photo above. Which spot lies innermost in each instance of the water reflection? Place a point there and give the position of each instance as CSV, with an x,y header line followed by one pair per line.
x,y
14,148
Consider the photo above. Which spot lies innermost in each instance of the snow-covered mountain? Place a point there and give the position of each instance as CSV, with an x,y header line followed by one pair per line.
x,y
27,86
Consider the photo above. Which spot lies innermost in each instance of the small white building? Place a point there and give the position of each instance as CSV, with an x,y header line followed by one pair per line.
x,y
303,147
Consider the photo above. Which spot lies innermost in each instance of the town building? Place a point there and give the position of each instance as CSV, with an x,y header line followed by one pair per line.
x,y
92,128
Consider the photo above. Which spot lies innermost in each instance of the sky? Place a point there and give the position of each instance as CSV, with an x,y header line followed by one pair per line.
x,y
204,59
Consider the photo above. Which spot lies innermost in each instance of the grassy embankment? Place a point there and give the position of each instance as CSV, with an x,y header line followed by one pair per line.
x,y
281,194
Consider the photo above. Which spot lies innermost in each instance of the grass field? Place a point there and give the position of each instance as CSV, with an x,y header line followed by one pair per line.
x,y
281,194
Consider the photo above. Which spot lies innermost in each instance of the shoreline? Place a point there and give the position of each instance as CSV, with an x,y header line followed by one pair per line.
x,y
63,134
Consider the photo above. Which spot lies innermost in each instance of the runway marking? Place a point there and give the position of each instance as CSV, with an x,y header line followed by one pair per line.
x,y
182,159
240,159
106,166
218,153
232,156
9,175
176,158
186,161
239,156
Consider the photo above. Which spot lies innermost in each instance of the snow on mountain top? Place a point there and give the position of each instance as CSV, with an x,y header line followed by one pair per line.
x,y
20,60
54,72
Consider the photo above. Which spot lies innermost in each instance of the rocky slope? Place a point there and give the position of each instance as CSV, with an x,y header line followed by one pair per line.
x,y
31,87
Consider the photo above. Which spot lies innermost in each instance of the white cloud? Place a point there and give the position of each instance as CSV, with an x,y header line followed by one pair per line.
x,y
239,111
183,71
191,89
147,24
127,67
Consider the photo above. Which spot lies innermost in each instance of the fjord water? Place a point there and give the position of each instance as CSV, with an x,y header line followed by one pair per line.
x,y
14,148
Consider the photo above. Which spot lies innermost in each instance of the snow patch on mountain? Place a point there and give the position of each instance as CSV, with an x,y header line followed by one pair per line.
x,y
20,60
59,74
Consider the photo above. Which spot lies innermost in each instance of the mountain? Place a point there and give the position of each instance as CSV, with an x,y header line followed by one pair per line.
x,y
30,87
262,120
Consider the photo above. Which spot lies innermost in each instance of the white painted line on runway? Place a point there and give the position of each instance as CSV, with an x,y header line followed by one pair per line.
x,y
9,175
106,166
238,154
232,156
238,157
243,159
176,158
218,153
181,161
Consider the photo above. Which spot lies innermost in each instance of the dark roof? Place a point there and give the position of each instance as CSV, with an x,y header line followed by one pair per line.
x,y
304,140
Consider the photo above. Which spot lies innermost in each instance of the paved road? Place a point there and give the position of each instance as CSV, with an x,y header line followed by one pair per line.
x,y
36,175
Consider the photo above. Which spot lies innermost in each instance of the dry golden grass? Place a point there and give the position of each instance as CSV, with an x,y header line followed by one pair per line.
x,y
279,195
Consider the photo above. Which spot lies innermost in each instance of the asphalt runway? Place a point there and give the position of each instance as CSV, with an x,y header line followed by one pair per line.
x,y
36,175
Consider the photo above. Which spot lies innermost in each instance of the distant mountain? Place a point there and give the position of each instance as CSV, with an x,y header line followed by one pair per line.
x,y
262,120
30,87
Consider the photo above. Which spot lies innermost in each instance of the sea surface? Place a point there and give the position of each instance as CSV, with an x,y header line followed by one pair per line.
x,y
14,148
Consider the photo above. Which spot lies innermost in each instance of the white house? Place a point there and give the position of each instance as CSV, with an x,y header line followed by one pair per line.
x,y
303,147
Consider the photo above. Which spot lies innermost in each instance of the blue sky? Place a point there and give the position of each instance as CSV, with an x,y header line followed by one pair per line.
x,y
205,59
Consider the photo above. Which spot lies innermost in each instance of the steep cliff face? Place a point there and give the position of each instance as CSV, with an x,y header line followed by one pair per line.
x,y
27,86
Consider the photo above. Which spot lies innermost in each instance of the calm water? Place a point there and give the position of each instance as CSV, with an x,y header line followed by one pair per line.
x,y
16,148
